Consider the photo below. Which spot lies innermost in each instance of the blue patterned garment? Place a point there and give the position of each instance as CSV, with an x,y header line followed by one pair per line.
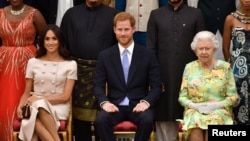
x,y
240,63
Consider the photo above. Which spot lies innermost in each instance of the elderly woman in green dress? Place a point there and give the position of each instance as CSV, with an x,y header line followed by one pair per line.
x,y
208,90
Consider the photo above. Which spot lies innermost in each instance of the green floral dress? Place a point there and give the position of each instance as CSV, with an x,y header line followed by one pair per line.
x,y
201,85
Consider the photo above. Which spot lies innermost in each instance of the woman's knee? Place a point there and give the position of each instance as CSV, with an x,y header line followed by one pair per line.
x,y
197,134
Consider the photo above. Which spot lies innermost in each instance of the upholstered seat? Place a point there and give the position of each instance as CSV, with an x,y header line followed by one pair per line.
x,y
182,136
65,129
126,130
17,125
125,126
62,128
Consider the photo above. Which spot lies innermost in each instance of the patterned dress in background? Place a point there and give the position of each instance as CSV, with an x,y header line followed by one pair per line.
x,y
240,63
17,47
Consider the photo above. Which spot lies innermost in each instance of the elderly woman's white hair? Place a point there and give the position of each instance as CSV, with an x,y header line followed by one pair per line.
x,y
207,36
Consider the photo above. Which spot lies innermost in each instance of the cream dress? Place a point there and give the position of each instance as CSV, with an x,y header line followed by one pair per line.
x,y
49,79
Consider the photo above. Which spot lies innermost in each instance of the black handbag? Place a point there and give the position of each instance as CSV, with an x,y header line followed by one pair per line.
x,y
26,112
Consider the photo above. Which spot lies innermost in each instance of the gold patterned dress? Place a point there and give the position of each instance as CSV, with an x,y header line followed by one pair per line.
x,y
18,39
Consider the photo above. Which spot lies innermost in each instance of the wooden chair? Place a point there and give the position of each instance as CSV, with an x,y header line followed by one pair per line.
x,y
182,136
125,130
65,129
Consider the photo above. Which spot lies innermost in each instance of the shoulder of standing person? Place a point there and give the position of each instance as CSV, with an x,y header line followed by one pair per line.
x,y
38,19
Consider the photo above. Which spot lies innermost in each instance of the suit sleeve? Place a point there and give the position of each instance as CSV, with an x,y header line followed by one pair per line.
x,y
154,80
100,80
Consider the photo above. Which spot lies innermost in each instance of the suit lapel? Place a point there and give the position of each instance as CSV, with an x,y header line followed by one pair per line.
x,y
136,58
118,65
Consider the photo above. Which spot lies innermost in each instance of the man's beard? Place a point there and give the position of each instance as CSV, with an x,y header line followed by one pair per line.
x,y
174,1
94,4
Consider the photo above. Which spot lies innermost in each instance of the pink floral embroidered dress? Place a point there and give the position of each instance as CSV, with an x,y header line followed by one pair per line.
x,y
18,39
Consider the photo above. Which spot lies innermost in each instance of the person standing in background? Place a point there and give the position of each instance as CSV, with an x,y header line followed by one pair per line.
x,y
78,2
20,26
87,36
214,13
52,10
140,9
48,8
110,3
62,7
170,31
4,3
236,32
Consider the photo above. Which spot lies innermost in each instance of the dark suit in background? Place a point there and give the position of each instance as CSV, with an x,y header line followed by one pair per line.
x,y
3,3
170,31
47,7
215,12
77,2
86,37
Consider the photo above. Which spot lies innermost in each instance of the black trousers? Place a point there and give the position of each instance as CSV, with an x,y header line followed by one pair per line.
x,y
144,121
82,131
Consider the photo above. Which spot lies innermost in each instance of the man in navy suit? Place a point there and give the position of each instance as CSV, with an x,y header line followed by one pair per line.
x,y
126,100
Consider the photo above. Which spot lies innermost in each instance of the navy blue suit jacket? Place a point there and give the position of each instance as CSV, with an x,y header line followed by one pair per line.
x,y
215,12
144,72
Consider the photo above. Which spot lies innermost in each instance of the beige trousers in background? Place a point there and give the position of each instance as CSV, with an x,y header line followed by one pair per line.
x,y
166,131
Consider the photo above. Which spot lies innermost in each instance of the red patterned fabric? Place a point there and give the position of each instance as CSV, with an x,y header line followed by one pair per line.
x,y
125,126
179,127
18,37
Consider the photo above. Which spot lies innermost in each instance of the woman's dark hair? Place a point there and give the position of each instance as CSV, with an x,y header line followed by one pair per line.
x,y
62,42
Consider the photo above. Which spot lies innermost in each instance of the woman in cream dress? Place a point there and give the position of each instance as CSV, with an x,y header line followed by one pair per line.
x,y
50,78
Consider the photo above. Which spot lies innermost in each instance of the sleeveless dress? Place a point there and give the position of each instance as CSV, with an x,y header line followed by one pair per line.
x,y
17,47
240,63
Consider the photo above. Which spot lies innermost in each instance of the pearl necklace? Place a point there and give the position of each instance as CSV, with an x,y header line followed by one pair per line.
x,y
242,13
18,12
244,18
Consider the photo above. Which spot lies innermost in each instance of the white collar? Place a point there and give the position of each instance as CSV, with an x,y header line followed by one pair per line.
x,y
130,48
